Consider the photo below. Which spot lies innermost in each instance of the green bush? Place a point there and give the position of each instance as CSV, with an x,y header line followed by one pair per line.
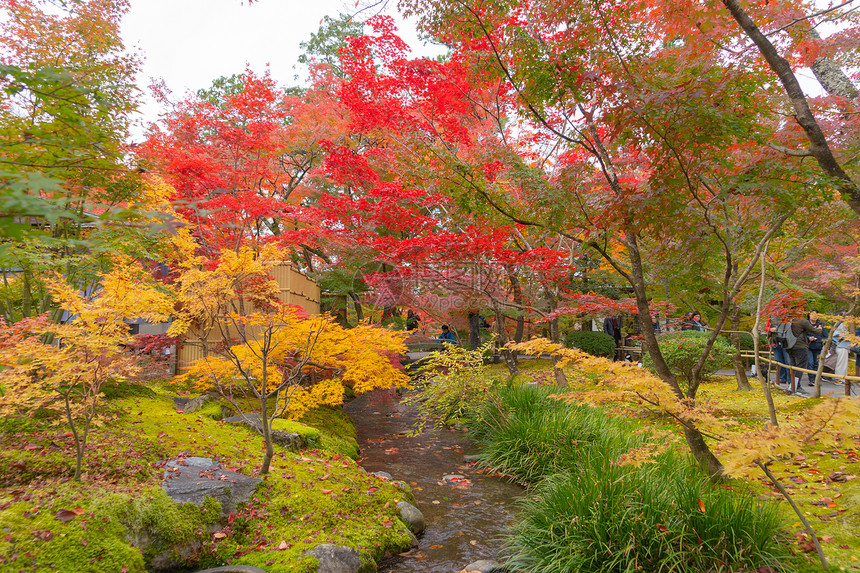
x,y
592,342
610,518
746,341
457,384
682,350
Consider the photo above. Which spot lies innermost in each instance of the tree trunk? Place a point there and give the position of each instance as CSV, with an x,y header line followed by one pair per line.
x,y
830,75
696,442
474,330
558,373
740,368
765,384
359,312
517,291
510,360
267,434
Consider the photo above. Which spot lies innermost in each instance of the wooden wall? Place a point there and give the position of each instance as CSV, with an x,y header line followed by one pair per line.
x,y
295,289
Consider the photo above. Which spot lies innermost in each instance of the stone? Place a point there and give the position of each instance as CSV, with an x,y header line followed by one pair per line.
x,y
289,440
194,404
452,477
191,480
412,517
485,566
383,475
336,559
472,458
189,405
233,569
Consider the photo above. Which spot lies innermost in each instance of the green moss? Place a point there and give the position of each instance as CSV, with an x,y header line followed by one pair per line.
x,y
311,436
35,540
309,498
336,430
153,515
116,389
211,410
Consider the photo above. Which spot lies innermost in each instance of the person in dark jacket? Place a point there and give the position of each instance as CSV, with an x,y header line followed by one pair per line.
x,y
693,322
612,327
799,353
816,343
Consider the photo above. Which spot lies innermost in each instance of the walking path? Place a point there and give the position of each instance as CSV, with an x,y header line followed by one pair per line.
x,y
827,388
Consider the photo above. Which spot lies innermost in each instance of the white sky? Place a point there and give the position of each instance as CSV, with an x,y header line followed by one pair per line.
x,y
189,43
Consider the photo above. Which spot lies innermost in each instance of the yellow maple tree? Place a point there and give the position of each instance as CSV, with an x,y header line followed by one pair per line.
x,y
46,364
265,356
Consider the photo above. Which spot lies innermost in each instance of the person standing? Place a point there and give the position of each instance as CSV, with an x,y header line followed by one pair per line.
x,y
816,343
612,327
802,330
780,354
842,350
687,323
412,320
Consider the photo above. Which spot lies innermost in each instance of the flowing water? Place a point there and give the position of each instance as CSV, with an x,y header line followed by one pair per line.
x,y
465,517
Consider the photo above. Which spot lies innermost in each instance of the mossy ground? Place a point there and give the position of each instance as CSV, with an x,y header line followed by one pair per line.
x,y
823,483
308,498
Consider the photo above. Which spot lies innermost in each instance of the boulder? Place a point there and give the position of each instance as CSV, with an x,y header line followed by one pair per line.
x,y
484,566
289,440
189,405
412,517
336,559
191,480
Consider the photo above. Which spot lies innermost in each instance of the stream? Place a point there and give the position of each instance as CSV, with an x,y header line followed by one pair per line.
x,y
465,517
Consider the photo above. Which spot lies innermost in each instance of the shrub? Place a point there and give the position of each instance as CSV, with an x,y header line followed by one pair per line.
x,y
593,342
682,350
746,341
457,385
611,518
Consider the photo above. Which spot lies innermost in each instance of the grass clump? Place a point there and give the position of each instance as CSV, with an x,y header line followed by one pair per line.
x,y
663,516
606,501
527,435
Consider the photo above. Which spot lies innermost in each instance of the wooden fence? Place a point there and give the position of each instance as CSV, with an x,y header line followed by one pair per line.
x,y
764,358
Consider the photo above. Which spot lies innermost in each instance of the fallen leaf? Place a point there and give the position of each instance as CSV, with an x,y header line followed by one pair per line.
x,y
65,515
219,535
701,505
282,546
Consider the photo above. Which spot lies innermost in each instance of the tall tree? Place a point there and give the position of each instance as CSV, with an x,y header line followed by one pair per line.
x,y
68,92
